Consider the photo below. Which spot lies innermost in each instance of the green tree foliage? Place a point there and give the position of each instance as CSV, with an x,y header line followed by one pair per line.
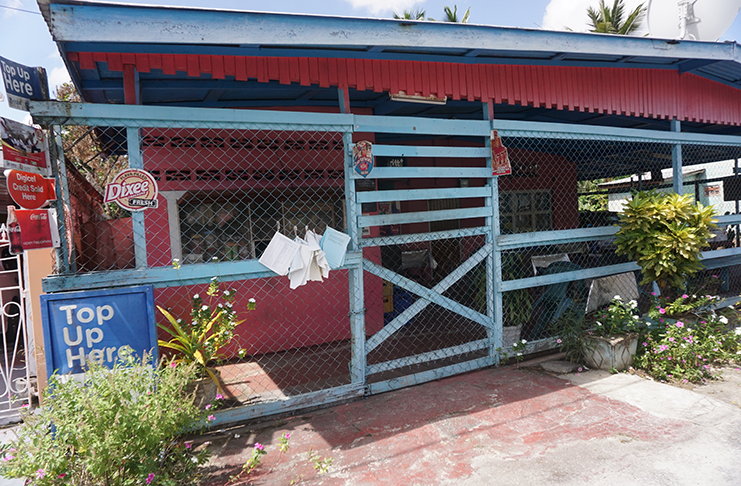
x,y
664,233
589,201
606,20
83,148
452,15
416,14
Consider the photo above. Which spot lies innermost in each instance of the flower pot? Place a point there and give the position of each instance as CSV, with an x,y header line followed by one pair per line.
x,y
203,391
606,353
510,335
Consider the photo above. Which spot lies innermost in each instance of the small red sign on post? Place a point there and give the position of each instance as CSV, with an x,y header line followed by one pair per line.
x,y
499,157
363,158
31,229
28,190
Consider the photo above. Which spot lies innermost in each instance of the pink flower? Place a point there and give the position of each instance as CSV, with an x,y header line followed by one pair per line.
x,y
685,296
287,436
662,310
558,341
62,475
645,344
188,446
150,478
210,418
680,324
8,457
259,446
219,396
653,293
40,474
208,406
173,364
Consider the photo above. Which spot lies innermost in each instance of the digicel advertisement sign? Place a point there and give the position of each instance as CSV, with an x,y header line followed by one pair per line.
x,y
29,191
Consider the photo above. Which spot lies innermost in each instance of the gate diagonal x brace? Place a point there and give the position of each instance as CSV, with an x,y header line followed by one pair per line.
x,y
428,296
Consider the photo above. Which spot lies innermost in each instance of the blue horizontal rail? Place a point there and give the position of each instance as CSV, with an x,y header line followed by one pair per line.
x,y
523,240
303,401
422,194
162,277
430,356
426,173
426,376
419,237
422,216
412,151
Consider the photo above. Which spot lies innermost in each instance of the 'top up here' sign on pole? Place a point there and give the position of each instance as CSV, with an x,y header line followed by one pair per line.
x,y
97,326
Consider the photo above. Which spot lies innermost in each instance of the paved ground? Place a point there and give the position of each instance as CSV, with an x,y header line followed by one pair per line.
x,y
506,426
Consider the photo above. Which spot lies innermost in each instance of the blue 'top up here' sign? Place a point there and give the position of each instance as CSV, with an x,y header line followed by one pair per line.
x,y
97,326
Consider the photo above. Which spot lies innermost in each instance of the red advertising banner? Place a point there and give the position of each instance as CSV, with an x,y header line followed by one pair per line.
x,y
23,147
31,229
499,158
28,190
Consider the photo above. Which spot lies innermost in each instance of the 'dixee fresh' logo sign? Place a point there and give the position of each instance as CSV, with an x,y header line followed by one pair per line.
x,y
132,189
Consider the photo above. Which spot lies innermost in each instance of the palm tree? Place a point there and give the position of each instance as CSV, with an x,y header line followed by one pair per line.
x,y
416,14
606,20
452,15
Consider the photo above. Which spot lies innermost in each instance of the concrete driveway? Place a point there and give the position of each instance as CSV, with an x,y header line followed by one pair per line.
x,y
505,426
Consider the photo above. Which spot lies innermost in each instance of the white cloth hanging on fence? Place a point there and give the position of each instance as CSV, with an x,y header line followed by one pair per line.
x,y
310,263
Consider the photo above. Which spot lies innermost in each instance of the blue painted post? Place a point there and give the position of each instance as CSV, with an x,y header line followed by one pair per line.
x,y
136,161
494,260
678,184
356,290
65,254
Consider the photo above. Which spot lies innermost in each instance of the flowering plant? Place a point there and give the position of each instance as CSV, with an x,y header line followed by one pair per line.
x,y
687,351
124,426
210,328
619,318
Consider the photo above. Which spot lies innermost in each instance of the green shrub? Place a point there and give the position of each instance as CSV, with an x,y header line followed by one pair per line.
x,y
121,426
664,233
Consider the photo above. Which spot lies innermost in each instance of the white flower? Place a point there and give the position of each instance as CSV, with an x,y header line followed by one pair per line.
x,y
220,306
524,341
205,307
237,436
213,278
723,319
519,354
196,296
228,304
226,292
176,260
252,301
617,297
648,324
737,331
599,323
633,304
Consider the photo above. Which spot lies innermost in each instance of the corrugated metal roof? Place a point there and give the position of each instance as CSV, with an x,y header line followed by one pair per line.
x,y
82,26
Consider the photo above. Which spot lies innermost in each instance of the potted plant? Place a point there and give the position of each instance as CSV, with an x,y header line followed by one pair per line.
x,y
198,341
612,340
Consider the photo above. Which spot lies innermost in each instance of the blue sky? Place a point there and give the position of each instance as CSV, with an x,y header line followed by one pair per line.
x,y
24,37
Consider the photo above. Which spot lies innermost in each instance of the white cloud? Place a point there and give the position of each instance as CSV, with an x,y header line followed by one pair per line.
x,y
389,7
560,14
9,12
57,76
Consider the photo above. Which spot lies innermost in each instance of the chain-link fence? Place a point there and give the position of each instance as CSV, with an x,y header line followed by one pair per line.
x,y
427,249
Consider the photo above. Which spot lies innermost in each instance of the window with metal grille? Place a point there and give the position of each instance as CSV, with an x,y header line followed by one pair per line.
x,y
525,211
